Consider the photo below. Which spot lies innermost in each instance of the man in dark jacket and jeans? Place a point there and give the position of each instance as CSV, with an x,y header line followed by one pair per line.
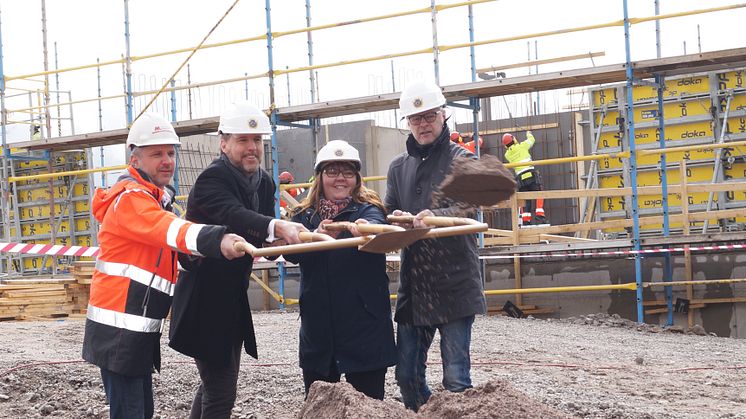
x,y
440,283
211,318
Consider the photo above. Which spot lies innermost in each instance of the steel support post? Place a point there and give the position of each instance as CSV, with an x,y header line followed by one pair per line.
x,y
633,165
667,268
275,158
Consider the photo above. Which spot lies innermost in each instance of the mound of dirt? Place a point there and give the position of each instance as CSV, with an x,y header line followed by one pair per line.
x,y
495,399
341,400
482,182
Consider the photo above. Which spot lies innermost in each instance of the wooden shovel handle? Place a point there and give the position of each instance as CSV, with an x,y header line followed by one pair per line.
x,y
434,221
456,230
245,246
363,228
314,237
310,247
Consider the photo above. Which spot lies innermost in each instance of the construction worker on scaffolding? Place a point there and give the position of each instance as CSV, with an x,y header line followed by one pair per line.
x,y
36,130
525,174
459,140
135,272
287,178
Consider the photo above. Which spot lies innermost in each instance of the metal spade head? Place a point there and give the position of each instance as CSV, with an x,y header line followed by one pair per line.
x,y
391,241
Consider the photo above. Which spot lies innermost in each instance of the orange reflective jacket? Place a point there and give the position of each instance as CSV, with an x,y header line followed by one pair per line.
x,y
135,273
470,145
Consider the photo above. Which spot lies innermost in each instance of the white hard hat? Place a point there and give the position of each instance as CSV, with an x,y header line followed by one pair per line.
x,y
244,118
420,97
151,129
337,150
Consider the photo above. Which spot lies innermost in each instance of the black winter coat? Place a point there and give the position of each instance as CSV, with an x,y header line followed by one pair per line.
x,y
345,308
211,308
439,279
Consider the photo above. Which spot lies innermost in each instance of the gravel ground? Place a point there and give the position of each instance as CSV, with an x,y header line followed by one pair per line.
x,y
595,366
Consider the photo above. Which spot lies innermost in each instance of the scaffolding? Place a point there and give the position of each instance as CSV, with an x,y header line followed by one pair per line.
x,y
309,116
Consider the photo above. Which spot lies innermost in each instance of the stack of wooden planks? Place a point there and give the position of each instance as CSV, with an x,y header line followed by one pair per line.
x,y
29,298
22,299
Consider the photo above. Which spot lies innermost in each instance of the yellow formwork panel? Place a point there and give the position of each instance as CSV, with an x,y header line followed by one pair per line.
x,y
42,211
43,193
610,119
695,174
30,229
655,227
681,109
674,88
676,132
737,103
654,159
36,263
731,80
41,166
606,96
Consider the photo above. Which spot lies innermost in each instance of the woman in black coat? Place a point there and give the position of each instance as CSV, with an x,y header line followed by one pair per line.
x,y
345,310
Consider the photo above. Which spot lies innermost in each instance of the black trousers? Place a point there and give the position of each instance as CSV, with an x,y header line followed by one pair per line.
x,y
216,394
370,383
532,184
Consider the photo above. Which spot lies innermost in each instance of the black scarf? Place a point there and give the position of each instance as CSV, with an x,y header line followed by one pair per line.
x,y
250,183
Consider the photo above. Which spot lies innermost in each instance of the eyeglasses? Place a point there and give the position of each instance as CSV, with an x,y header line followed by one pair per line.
x,y
428,117
336,171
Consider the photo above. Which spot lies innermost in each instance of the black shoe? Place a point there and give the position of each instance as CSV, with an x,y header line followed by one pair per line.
x,y
540,219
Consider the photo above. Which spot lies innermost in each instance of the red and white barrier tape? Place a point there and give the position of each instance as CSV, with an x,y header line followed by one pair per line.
x,y
92,251
48,249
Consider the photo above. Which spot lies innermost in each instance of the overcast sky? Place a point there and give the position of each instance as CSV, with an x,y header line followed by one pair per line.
x,y
88,29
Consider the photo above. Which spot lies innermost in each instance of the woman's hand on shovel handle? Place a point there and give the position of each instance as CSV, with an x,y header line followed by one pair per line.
x,y
398,213
418,223
322,230
353,227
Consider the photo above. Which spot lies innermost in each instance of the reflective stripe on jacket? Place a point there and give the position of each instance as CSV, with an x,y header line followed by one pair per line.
x,y
135,273
519,153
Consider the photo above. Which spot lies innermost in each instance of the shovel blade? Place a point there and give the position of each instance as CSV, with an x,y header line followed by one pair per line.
x,y
393,241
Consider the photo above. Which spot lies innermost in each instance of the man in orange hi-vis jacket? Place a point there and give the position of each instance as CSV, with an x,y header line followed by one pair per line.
x,y
135,272
459,140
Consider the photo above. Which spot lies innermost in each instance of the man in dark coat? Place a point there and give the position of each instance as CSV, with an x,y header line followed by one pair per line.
x,y
211,318
440,283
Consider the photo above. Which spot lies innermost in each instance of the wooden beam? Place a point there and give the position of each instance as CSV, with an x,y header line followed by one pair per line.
x,y
542,62
665,310
552,237
512,129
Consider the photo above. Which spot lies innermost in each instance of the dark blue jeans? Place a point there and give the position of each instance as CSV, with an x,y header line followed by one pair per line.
x,y
413,342
129,397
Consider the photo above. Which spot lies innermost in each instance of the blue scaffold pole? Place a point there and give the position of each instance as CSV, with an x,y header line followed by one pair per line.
x,y
633,167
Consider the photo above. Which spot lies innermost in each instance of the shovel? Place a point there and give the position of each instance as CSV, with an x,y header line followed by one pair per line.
x,y
450,226
387,238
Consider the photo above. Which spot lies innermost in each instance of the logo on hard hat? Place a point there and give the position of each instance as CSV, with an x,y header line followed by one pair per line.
x,y
417,103
157,129
253,123
338,152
